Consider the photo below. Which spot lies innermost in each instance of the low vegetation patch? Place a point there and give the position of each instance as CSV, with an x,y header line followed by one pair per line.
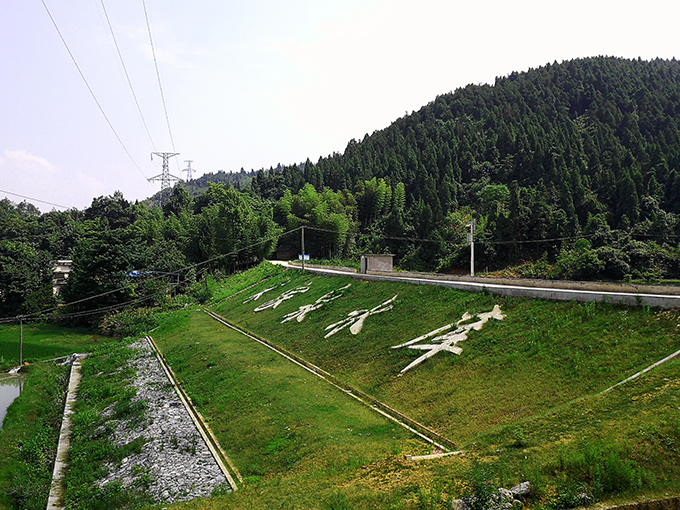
x,y
42,341
104,397
28,438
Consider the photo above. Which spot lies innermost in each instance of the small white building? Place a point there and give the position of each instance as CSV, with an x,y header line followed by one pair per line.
x,y
61,270
377,262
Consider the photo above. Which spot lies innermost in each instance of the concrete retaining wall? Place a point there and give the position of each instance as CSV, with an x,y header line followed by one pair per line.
x,y
625,294
657,504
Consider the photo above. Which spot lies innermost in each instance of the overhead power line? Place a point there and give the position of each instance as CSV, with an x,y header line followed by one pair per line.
x,y
158,74
33,199
90,88
153,278
122,62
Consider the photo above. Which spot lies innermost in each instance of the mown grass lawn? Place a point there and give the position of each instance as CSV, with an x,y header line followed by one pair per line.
x,y
43,341
523,397
293,437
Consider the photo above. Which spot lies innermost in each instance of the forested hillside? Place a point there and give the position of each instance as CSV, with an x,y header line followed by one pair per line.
x,y
126,253
198,186
584,148
571,171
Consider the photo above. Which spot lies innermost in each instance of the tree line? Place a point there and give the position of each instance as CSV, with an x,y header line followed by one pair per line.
x,y
589,148
571,170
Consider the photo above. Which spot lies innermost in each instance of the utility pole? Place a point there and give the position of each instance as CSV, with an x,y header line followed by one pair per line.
x,y
21,340
471,240
303,248
188,169
165,177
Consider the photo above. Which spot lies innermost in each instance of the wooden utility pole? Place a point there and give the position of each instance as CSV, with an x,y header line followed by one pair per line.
x,y
21,340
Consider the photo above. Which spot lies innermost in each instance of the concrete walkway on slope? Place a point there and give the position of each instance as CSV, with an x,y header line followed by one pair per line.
x,y
54,501
663,297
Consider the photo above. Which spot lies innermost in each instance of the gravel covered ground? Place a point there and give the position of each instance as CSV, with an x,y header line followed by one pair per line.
x,y
175,464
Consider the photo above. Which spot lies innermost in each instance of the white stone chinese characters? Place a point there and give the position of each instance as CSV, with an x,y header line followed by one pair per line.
x,y
305,309
283,297
257,296
355,320
448,341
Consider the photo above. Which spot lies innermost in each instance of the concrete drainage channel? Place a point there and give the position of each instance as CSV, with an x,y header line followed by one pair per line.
x,y
209,438
54,499
180,457
444,444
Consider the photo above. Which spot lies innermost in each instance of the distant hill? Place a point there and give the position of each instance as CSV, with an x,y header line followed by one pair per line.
x,y
198,186
556,152
583,126
587,148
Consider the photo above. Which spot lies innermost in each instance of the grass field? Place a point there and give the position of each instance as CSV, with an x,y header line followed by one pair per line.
x,y
522,399
42,341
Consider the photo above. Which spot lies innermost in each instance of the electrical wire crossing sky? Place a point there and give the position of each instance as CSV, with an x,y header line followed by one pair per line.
x,y
90,88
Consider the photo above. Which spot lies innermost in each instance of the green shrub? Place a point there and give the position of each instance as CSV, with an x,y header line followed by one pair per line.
x,y
537,270
132,322
204,290
481,485
596,470
579,263
616,262
337,501
571,494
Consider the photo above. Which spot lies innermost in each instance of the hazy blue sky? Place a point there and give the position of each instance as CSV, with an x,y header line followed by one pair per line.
x,y
255,83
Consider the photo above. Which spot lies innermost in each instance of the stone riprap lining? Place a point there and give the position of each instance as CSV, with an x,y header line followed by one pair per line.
x,y
175,464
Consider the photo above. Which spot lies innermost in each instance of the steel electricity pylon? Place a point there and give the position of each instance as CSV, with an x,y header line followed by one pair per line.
x,y
165,177
188,169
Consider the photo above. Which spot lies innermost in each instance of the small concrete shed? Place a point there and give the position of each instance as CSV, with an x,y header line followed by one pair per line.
x,y
377,262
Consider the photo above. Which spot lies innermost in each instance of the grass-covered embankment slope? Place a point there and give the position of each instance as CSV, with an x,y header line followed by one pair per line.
x,y
542,355
522,397
293,437
29,435
28,438
42,341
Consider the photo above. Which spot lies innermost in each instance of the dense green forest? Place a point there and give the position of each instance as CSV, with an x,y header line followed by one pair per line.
x,y
198,186
587,148
571,171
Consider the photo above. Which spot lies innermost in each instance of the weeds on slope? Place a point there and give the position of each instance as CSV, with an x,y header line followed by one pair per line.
x,y
103,397
28,438
523,394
